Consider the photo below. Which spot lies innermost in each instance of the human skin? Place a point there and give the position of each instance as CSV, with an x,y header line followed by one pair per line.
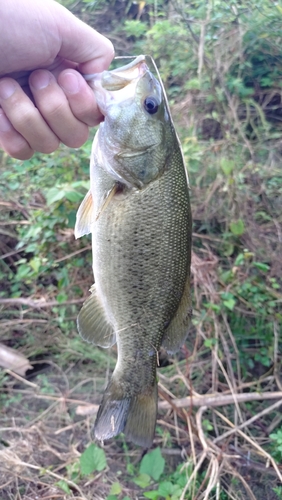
x,y
44,100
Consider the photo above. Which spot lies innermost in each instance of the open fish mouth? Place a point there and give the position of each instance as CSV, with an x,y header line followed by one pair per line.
x,y
118,85
118,79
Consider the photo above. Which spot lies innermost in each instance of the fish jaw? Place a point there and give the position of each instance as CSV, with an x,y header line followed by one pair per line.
x,y
119,85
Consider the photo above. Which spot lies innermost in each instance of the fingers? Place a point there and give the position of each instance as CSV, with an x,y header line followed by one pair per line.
x,y
26,121
12,142
53,105
62,112
80,97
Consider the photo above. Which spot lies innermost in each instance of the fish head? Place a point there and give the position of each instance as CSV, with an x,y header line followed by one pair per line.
x,y
136,136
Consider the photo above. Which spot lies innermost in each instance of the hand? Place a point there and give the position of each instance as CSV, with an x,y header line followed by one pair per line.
x,y
41,107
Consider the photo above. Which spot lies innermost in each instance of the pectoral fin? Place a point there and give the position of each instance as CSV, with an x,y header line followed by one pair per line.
x,y
84,217
92,323
107,200
177,330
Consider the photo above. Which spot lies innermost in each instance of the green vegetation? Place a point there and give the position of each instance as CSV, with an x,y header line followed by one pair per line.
x,y
221,63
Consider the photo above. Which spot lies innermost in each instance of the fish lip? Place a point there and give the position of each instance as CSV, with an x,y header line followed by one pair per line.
x,y
118,84
136,62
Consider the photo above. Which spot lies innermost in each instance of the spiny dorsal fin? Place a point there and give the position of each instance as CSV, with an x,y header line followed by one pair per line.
x,y
84,217
92,323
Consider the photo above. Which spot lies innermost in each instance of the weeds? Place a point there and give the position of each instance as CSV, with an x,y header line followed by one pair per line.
x,y
219,428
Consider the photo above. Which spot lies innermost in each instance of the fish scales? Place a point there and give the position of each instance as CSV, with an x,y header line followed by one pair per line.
x,y
141,242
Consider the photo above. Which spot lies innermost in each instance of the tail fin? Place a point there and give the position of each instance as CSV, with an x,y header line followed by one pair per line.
x,y
142,416
135,416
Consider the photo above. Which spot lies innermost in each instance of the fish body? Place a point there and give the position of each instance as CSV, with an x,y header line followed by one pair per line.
x,y
138,211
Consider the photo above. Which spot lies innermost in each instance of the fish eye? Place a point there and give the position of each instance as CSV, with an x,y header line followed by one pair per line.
x,y
151,105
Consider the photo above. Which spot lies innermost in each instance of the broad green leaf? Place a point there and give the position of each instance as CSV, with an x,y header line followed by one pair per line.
x,y
230,303
143,480
64,486
228,300
54,194
153,495
73,196
153,464
92,459
237,227
261,266
227,166
35,263
116,489
61,297
165,489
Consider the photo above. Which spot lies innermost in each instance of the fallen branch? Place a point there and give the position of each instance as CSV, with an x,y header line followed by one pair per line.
x,y
38,304
218,400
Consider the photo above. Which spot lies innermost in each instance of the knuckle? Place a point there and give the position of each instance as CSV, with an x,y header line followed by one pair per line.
x,y
53,110
24,118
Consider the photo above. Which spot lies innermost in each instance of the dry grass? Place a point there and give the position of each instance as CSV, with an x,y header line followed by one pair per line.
x,y
46,419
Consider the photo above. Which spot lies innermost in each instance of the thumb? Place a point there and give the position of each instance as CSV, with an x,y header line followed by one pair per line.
x,y
83,45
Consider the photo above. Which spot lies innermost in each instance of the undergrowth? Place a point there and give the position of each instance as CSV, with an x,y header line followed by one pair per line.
x,y
219,429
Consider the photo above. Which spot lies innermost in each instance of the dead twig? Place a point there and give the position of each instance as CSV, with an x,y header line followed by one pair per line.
x,y
218,400
39,304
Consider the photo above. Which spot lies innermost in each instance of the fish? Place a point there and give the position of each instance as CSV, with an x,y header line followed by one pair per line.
x,y
138,211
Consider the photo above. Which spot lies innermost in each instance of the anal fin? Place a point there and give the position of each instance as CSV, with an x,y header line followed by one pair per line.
x,y
177,330
92,323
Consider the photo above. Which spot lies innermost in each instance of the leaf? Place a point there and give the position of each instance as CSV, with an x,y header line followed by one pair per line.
x,y
92,459
61,297
116,489
64,191
64,486
237,227
154,495
261,266
165,489
143,480
228,300
54,194
227,166
35,264
230,303
153,464
14,360
73,196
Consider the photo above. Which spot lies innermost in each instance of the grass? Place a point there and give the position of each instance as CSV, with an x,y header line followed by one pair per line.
x,y
218,433
215,443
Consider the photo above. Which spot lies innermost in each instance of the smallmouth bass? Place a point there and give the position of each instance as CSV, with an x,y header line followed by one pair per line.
x,y
138,212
